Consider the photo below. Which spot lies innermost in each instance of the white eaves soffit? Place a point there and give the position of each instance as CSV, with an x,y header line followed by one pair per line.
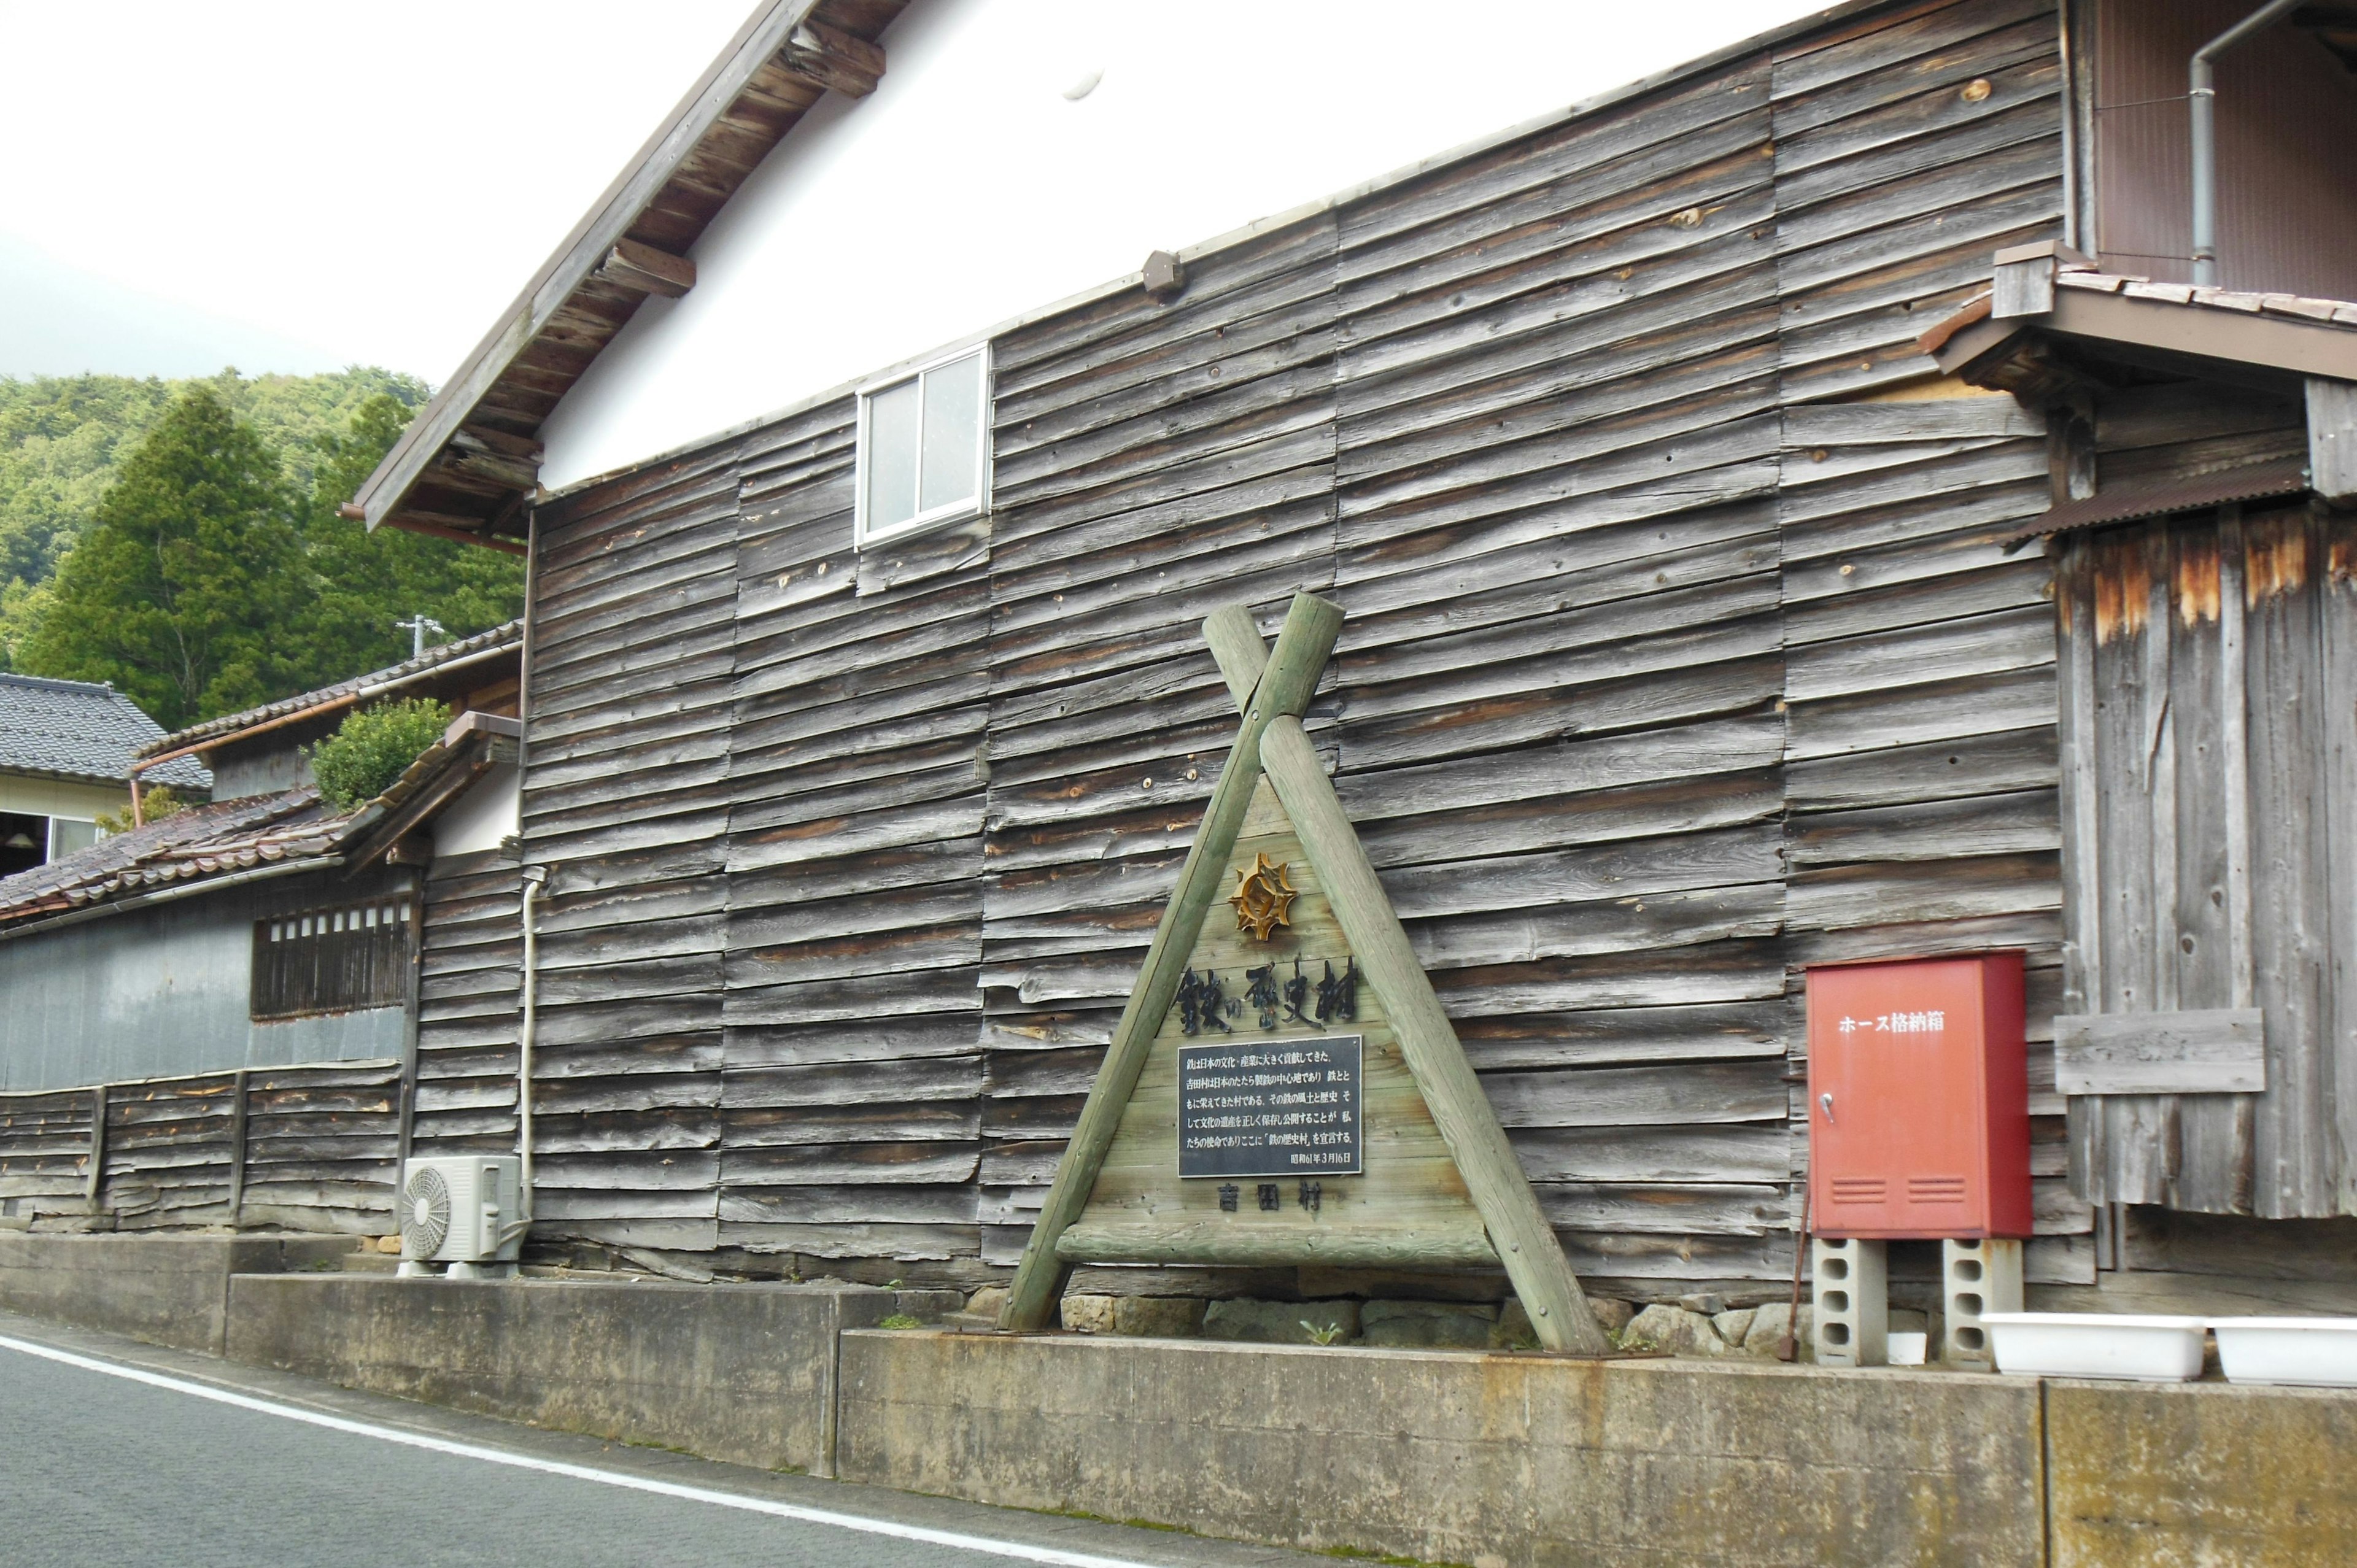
x,y
1018,152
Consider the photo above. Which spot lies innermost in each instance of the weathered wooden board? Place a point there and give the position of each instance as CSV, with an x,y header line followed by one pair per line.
x,y
2221,1051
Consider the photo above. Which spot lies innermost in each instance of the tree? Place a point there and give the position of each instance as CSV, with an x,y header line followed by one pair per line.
x,y
191,575
367,581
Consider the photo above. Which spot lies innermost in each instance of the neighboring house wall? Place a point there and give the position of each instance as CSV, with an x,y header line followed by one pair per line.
x,y
263,772
968,148
1667,671
59,798
483,818
166,990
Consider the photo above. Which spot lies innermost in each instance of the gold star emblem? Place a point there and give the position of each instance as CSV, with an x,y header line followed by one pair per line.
x,y
1262,899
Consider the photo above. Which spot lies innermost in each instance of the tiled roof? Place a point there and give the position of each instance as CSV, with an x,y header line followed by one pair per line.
x,y
2297,307
375,683
243,835
74,729
201,841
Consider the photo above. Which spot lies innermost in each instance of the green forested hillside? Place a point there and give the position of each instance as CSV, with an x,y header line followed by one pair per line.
x,y
63,438
180,538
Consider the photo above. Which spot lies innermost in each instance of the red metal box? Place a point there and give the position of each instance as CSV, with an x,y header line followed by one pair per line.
x,y
1919,1099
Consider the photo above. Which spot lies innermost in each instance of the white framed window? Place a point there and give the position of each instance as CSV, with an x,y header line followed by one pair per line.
x,y
68,834
924,446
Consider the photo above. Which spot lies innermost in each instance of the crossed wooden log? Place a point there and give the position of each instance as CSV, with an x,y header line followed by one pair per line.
x,y
1271,690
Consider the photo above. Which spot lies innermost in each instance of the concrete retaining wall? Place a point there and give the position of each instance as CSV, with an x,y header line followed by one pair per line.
x,y
744,1374
2187,1476
165,1289
1456,1458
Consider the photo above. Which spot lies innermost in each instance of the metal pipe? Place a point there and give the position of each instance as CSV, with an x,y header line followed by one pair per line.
x,y
534,875
2203,101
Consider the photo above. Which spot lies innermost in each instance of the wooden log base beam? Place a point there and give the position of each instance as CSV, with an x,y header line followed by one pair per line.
x,y
643,269
1311,625
835,60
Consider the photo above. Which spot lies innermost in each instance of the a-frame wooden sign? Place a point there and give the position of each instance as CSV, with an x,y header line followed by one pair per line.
x,y
1283,1086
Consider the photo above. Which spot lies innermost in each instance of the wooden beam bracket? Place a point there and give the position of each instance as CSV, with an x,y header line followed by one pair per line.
x,y
643,269
834,58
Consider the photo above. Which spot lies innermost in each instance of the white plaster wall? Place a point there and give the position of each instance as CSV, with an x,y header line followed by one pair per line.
x,y
489,810
968,189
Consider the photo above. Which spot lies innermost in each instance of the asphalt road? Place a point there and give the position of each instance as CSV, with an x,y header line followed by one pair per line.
x,y
112,1452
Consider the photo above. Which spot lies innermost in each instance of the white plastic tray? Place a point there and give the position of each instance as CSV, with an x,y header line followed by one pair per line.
x,y
2150,1349
2316,1352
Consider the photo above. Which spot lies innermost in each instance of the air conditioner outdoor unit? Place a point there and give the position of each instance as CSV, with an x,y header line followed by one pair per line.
x,y
462,1209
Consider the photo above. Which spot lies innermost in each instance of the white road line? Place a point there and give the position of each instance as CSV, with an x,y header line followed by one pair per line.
x,y
948,1538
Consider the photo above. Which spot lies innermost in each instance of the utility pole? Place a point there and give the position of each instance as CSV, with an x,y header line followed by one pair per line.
x,y
416,626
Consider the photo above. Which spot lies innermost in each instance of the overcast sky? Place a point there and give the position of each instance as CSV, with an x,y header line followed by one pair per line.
x,y
299,185
295,185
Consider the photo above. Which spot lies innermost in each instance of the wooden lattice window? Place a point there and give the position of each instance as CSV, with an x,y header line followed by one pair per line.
x,y
336,960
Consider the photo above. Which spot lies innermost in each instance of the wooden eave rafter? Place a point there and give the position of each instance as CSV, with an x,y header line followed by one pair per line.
x,y
2014,354
468,464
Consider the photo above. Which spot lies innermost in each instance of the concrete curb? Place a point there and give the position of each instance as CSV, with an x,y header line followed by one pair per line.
x,y
744,1374
169,1289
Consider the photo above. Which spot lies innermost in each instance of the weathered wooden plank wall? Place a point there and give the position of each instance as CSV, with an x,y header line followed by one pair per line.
x,y
469,967
1681,651
2170,628
1919,694
850,1100
318,1150
1557,547
625,805
1153,463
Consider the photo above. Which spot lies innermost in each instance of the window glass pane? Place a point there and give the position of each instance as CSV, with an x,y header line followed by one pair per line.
x,y
891,455
67,835
952,431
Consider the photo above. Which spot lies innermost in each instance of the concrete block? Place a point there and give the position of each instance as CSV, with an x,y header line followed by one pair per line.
x,y
1427,1324
1158,1316
167,1289
1851,1296
2198,1473
1514,1330
739,1372
1086,1313
1454,1456
1976,1277
1282,1322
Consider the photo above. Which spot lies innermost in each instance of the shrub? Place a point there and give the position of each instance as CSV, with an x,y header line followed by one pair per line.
x,y
370,748
156,802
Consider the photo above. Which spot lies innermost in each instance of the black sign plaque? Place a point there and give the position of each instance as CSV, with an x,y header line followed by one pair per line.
x,y
1270,1108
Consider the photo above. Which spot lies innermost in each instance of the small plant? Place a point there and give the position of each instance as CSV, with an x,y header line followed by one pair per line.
x,y
372,748
1326,1336
900,1320
156,802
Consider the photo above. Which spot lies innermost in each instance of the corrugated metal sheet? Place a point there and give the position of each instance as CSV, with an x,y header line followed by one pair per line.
x,y
161,992
2286,119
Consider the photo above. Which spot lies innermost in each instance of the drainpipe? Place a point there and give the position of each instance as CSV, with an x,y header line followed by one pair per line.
x,y
534,875
2204,96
